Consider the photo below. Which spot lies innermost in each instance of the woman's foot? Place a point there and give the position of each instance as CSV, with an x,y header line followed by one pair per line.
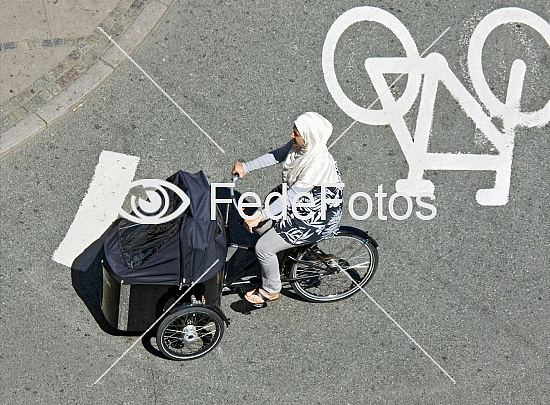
x,y
260,297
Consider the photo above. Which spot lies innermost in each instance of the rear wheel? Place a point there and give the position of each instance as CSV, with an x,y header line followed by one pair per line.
x,y
189,333
334,269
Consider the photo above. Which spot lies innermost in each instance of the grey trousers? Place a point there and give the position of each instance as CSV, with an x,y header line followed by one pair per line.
x,y
267,248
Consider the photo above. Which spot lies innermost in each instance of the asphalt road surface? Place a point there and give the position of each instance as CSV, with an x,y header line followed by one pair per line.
x,y
470,286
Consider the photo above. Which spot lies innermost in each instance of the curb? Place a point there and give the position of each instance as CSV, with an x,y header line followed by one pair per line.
x,y
47,115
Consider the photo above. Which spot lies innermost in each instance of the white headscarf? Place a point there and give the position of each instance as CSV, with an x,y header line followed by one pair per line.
x,y
312,164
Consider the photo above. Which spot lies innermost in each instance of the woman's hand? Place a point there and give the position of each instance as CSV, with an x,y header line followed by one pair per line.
x,y
238,169
253,223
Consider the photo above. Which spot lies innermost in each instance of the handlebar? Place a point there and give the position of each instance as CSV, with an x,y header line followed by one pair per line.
x,y
263,226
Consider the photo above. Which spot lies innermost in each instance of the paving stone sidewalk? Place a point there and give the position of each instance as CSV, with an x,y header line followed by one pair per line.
x,y
46,45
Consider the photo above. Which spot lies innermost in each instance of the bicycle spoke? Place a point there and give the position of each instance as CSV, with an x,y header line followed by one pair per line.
x,y
193,333
356,257
316,267
357,266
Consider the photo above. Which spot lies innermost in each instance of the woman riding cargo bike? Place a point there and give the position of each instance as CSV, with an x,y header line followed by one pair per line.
x,y
312,179
183,263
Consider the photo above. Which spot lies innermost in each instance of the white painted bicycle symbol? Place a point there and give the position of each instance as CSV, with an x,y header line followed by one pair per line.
x,y
434,69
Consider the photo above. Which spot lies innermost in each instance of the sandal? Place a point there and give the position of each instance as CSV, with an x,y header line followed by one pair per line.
x,y
264,298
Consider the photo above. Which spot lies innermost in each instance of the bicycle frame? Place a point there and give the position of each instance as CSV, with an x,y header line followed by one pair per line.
x,y
283,256
235,279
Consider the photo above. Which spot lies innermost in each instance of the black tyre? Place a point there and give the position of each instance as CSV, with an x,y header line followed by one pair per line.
x,y
334,269
189,333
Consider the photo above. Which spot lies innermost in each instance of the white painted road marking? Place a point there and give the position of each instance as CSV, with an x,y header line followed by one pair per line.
x,y
342,271
113,173
391,85
434,70
162,91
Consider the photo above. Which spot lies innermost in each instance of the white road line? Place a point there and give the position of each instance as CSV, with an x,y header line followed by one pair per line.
x,y
113,172
390,86
399,326
154,323
161,90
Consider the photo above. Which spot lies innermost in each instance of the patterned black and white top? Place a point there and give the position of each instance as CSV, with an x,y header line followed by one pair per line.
x,y
294,230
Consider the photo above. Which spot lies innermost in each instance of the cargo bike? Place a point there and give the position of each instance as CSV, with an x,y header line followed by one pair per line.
x,y
167,259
